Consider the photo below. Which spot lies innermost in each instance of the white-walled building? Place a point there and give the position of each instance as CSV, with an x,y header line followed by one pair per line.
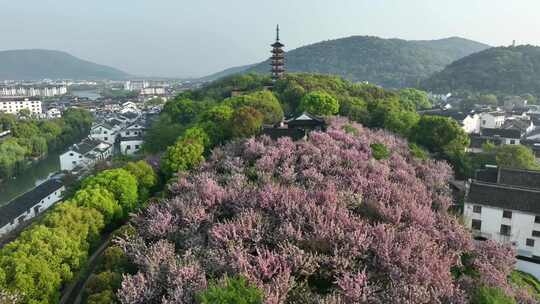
x,y
29,91
53,113
85,155
15,105
104,132
504,205
492,120
30,205
131,145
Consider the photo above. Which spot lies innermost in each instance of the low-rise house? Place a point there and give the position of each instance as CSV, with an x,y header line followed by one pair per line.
x,y
131,145
478,142
53,113
504,205
85,155
492,120
523,124
30,205
104,132
506,136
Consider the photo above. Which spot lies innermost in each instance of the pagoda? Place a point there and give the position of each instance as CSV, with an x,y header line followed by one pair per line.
x,y
278,58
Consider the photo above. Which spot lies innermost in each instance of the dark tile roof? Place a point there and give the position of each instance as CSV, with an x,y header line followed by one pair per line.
x,y
479,141
27,201
519,178
518,124
459,116
85,146
276,133
505,133
505,197
132,138
488,175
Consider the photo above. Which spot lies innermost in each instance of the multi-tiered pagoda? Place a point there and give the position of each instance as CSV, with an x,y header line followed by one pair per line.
x,y
278,58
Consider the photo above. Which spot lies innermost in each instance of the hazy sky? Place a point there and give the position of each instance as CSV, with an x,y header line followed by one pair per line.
x,y
180,38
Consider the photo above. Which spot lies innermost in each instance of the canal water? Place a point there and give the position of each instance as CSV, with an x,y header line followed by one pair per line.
x,y
92,95
30,178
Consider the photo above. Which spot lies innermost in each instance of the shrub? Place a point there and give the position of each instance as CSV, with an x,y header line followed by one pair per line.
x,y
379,151
232,291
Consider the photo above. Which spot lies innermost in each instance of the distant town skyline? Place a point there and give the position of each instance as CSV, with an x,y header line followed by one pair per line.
x,y
176,39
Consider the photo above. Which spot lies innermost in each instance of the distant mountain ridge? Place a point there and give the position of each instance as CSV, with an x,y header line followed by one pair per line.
x,y
392,63
505,70
35,64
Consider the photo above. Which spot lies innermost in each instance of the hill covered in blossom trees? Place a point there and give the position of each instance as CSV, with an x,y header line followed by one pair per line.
x,y
322,220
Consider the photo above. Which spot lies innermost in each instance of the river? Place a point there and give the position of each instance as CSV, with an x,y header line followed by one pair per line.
x,y
92,95
29,178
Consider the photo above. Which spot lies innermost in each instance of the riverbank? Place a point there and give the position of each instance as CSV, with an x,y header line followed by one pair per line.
x,y
28,179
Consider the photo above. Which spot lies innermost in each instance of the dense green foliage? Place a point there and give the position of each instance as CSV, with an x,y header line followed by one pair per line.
x,y
34,138
319,103
379,151
184,155
48,254
526,281
516,156
41,64
486,295
223,117
107,276
231,291
508,70
392,63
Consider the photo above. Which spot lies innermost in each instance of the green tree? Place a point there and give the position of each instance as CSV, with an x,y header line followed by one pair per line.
x,y
231,291
319,103
162,134
145,175
7,121
216,122
120,183
246,122
390,115
184,155
355,108
100,199
516,156
415,99
11,156
440,134
263,101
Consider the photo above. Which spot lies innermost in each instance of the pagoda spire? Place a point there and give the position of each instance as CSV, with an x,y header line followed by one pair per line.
x,y
277,60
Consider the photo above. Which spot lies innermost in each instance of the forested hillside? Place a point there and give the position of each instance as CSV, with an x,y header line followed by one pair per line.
x,y
503,70
392,63
348,215
41,64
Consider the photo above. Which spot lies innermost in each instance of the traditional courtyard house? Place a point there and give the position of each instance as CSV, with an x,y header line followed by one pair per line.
x,y
104,132
523,124
131,138
504,205
30,205
85,155
492,120
507,136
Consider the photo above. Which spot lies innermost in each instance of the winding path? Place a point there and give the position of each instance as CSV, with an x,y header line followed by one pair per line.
x,y
73,292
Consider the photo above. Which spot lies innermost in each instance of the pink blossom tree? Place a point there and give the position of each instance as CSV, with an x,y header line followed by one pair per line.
x,y
317,221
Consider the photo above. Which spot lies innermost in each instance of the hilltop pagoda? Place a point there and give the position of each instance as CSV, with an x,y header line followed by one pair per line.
x,y
278,58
